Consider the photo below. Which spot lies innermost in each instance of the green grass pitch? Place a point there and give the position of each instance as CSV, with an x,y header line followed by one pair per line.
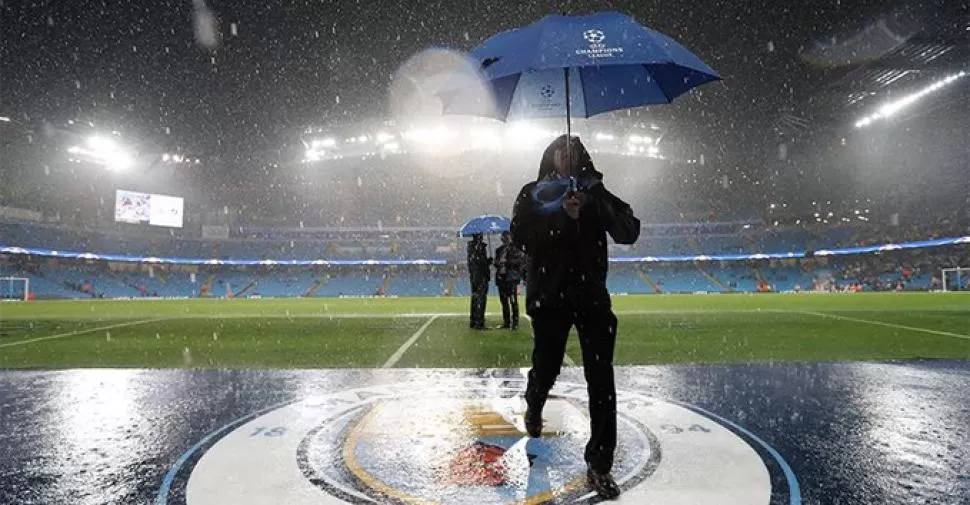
x,y
433,332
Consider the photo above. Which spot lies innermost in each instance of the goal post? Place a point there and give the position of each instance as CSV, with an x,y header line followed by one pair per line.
x,y
14,288
955,279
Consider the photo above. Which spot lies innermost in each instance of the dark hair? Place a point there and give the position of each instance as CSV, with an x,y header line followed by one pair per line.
x,y
583,160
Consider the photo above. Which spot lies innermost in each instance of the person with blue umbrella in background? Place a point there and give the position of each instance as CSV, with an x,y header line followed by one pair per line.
x,y
479,262
575,66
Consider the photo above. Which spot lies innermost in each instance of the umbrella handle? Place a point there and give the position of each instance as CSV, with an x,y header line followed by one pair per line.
x,y
569,122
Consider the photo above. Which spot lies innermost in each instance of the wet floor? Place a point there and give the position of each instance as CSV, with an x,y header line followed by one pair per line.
x,y
826,433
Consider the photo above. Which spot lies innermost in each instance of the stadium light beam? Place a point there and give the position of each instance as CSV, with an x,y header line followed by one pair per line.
x,y
313,155
895,106
105,152
327,142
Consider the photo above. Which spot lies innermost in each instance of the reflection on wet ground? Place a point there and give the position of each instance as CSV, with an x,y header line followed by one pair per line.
x,y
786,433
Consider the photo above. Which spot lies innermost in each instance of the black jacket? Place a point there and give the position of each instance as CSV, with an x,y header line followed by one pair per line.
x,y
514,263
567,258
478,268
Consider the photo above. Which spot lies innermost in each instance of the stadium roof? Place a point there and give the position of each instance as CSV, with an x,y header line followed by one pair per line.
x,y
915,54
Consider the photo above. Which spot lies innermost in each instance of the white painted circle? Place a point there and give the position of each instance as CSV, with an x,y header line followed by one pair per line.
x,y
363,445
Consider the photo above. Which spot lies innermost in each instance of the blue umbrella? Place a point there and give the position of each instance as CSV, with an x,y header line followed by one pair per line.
x,y
578,66
485,225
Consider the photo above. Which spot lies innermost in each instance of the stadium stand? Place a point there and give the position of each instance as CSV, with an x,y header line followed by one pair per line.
x,y
62,278
430,243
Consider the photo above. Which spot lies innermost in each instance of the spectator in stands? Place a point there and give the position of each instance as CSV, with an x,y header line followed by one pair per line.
x,y
564,235
478,275
509,262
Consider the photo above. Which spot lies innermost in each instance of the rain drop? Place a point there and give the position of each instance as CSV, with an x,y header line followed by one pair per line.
x,y
50,21
77,83
107,336
233,29
771,46
206,31
337,99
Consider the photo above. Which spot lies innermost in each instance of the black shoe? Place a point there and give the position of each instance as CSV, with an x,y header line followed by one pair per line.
x,y
533,423
603,484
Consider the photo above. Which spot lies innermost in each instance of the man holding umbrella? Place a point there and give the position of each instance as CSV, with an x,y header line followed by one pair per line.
x,y
575,66
478,275
562,221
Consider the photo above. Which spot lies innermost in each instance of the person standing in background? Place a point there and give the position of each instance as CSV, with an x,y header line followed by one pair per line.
x,y
509,262
478,275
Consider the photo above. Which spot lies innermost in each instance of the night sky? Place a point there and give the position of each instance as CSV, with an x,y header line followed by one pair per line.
x,y
279,66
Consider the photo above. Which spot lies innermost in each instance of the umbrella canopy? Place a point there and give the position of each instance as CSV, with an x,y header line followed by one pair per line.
x,y
485,225
565,66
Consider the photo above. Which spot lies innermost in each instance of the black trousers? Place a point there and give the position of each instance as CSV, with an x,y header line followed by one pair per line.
x,y
597,336
510,302
479,298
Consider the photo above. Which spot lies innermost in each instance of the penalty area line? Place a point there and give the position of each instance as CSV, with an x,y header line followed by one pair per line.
x,y
407,345
885,324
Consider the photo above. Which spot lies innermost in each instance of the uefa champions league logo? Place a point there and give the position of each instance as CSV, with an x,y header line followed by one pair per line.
x,y
546,92
597,47
594,36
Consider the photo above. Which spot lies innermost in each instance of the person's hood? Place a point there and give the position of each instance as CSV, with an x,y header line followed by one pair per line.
x,y
547,167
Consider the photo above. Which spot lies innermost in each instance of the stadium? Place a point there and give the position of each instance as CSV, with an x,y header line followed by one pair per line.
x,y
181,291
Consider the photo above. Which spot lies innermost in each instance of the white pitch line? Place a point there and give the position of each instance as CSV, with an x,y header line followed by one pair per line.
x,y
567,360
81,332
887,325
406,345
323,315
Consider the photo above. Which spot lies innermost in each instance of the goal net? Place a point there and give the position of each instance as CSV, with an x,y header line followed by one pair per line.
x,y
956,279
14,288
